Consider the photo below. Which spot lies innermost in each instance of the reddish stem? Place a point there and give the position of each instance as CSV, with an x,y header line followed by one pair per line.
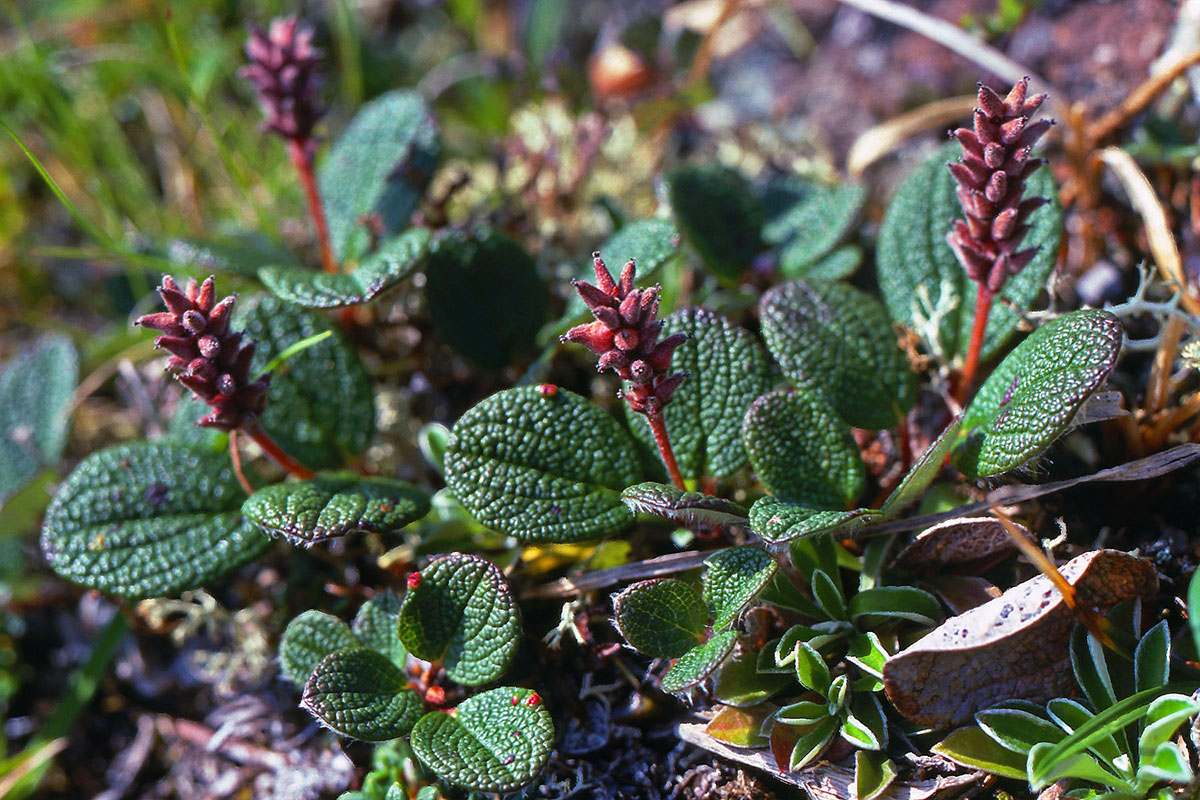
x,y
269,446
659,426
235,456
303,165
983,308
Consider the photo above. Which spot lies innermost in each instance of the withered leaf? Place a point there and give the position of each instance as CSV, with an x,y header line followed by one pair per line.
x,y
962,540
1014,647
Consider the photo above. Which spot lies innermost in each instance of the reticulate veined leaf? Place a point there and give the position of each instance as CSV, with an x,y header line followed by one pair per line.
x,y
394,260
682,507
485,296
838,343
542,466
697,664
802,452
360,693
776,520
320,407
1031,398
920,277
808,219
462,614
328,506
147,520
718,216
308,639
661,617
727,370
35,394
378,168
733,578
238,252
377,626
497,741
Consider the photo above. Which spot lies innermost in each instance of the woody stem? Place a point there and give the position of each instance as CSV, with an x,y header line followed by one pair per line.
x,y
659,427
304,168
272,448
983,308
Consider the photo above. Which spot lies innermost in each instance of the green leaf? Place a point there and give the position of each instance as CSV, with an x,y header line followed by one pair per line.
x,y
873,774
733,578
1152,659
320,407
740,684
920,277
497,741
1163,718
1031,398
542,468
308,639
812,743
698,663
1018,730
895,602
973,748
1077,764
1045,759
803,712
1193,609
802,452
718,216
238,253
1070,715
809,219
864,725
328,506
377,625
378,166
838,265
147,520
912,487
661,617
360,693
1091,669
393,261
682,507
776,520
484,296
1166,763
828,595
727,369
837,342
462,614
35,406
867,653
811,669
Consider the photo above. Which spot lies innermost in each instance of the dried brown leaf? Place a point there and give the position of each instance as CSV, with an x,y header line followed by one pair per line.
x,y
958,541
1014,647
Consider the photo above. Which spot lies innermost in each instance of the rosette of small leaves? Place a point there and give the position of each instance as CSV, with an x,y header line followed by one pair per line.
x,y
1087,742
668,618
836,657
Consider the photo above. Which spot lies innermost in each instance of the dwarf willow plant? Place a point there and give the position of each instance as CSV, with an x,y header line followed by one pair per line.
x,y
711,411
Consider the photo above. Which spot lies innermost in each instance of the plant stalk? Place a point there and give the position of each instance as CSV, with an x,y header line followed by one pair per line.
x,y
271,448
304,167
983,309
659,427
